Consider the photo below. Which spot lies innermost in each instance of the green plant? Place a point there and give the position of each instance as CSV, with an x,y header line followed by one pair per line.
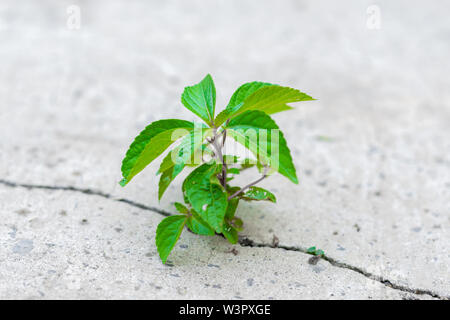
x,y
315,252
210,201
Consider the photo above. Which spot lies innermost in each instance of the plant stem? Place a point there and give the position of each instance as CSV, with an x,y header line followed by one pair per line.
x,y
225,133
218,149
246,187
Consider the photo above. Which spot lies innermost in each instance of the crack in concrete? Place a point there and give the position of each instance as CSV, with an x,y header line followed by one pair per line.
x,y
244,241
87,191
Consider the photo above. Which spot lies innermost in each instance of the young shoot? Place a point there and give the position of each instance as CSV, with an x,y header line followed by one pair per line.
x,y
210,201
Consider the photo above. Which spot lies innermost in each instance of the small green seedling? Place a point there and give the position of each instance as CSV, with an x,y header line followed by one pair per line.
x,y
316,252
210,202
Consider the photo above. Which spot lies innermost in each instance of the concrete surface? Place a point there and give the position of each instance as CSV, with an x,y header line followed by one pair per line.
x,y
373,153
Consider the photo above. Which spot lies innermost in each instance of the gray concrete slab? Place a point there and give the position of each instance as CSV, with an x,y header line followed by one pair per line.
x,y
61,245
373,153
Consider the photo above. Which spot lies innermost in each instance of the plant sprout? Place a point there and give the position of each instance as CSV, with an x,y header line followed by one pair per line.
x,y
210,202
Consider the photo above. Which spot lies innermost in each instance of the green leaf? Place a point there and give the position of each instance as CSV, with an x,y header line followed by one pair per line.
x,y
206,197
311,250
167,234
181,208
194,222
320,253
201,99
230,233
185,154
260,96
234,171
243,92
238,98
238,223
260,134
150,144
167,177
197,157
271,99
277,108
316,252
231,190
231,209
232,224
199,226
166,163
257,193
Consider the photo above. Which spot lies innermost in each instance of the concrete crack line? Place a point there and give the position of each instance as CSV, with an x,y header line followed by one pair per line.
x,y
87,191
244,242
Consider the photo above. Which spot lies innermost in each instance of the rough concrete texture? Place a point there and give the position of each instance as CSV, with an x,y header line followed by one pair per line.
x,y
373,153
